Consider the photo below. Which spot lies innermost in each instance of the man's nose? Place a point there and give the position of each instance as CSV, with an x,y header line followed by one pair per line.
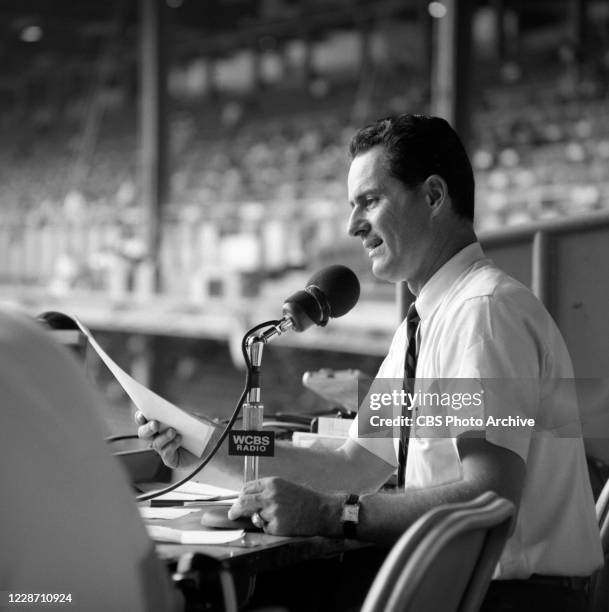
x,y
357,224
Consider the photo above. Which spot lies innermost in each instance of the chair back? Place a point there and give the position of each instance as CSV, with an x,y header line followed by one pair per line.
x,y
598,591
445,560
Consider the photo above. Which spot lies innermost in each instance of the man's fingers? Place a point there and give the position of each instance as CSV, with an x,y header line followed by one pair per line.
x,y
269,485
143,432
256,496
147,431
172,446
162,441
234,511
171,457
139,417
170,453
240,508
273,527
246,505
253,486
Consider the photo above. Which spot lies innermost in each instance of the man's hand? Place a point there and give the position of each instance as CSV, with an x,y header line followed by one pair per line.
x,y
289,509
166,444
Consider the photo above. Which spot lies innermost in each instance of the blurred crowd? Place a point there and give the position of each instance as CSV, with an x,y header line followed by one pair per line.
x,y
542,150
258,187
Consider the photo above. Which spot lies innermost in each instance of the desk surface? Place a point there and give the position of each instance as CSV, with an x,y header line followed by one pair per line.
x,y
255,552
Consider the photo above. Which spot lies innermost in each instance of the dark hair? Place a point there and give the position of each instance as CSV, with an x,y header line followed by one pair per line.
x,y
418,146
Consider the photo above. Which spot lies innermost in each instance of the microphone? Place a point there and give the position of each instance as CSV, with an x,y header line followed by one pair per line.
x,y
332,292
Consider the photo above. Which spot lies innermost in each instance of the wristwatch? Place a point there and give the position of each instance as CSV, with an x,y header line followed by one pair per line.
x,y
350,516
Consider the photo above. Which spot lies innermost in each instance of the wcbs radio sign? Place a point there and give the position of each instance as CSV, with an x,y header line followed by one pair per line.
x,y
251,442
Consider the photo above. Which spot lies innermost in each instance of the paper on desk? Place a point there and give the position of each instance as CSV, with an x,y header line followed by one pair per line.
x,y
164,513
180,536
191,491
195,433
183,496
202,489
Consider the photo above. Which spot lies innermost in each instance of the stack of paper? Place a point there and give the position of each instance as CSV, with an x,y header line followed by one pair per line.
x,y
200,491
202,536
197,493
164,513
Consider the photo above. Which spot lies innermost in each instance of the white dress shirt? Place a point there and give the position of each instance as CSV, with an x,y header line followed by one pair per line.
x,y
481,325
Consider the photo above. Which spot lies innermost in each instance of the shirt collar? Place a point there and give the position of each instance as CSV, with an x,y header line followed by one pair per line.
x,y
436,287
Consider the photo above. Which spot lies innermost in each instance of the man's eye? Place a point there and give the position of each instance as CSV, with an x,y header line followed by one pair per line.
x,y
371,201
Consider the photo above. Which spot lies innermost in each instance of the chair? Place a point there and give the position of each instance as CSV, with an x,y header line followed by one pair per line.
x,y
445,560
598,590
206,583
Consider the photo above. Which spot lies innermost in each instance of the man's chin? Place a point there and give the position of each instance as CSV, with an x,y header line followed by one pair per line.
x,y
383,272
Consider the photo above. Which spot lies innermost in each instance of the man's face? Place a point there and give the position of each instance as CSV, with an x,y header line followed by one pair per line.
x,y
392,220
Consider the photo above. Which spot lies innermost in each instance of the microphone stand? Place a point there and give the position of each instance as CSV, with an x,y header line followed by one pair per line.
x,y
253,408
253,411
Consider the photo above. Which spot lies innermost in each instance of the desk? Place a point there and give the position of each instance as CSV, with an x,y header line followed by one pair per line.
x,y
256,552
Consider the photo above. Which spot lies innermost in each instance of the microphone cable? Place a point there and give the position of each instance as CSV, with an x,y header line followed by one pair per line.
x,y
246,389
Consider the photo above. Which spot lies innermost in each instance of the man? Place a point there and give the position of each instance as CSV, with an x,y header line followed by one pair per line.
x,y
71,534
411,192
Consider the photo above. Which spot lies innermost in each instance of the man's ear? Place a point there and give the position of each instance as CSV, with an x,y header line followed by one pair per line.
x,y
436,193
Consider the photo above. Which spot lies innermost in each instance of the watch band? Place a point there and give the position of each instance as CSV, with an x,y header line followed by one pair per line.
x,y
350,526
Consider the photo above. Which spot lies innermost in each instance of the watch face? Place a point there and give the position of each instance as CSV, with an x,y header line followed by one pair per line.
x,y
351,513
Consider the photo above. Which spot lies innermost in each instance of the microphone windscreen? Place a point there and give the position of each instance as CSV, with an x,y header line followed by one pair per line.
x,y
340,286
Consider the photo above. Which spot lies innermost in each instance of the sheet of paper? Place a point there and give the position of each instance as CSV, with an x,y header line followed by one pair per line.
x,y
202,489
180,496
180,536
164,513
191,491
195,432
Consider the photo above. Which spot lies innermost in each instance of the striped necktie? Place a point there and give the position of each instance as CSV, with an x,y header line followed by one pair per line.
x,y
410,368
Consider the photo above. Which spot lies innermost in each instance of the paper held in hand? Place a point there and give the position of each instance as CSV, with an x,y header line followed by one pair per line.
x,y
195,432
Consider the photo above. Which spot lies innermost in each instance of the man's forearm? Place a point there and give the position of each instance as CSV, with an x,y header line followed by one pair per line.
x,y
383,517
